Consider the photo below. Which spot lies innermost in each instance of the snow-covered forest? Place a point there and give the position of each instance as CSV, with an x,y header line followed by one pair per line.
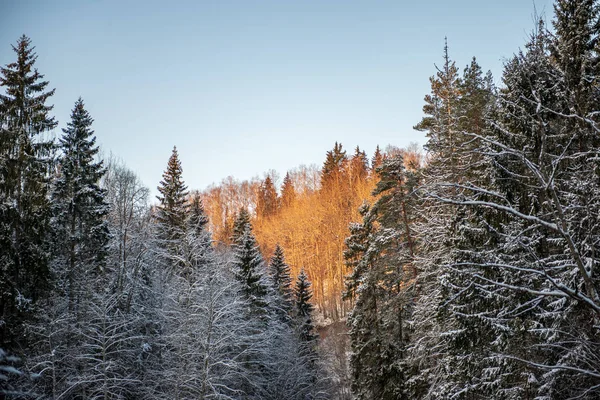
x,y
469,270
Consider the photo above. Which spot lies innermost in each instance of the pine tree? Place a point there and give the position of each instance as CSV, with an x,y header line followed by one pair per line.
x,y
25,160
304,309
357,245
441,121
333,167
359,167
280,274
577,30
456,124
198,219
241,222
377,159
79,206
172,212
249,266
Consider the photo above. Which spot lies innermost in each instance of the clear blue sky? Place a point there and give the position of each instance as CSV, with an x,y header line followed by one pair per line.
x,y
245,86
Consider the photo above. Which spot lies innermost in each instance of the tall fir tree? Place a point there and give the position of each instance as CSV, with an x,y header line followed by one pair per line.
x,y
249,268
25,161
240,223
333,168
377,159
172,211
358,167
280,274
198,220
381,252
357,245
304,309
441,120
79,207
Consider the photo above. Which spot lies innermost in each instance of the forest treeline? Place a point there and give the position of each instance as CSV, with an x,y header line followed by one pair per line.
x,y
470,272
307,214
105,296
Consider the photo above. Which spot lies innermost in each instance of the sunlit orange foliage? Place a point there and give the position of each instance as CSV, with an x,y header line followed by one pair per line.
x,y
311,223
312,231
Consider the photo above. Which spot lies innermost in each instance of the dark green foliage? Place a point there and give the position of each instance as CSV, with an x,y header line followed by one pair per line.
x,y
357,245
80,232
25,162
280,274
242,221
380,252
304,308
249,268
197,216
377,159
441,120
172,211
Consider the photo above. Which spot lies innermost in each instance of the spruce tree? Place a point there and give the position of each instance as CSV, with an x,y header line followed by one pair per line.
x,y
280,274
381,252
249,266
79,206
377,159
267,202
457,112
288,192
577,33
333,167
241,222
198,220
357,245
359,167
304,309
25,160
441,121
172,212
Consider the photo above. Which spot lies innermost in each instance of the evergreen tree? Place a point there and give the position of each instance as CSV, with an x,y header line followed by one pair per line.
x,y
333,167
441,121
304,309
172,212
456,124
25,160
267,202
288,192
359,167
381,251
79,206
377,159
197,219
280,274
577,29
357,245
249,266
241,222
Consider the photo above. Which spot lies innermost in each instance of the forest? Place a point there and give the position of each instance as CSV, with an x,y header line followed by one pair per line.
x,y
469,269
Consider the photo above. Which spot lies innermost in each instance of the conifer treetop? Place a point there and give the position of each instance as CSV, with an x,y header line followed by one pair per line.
x,y
280,273
24,103
173,207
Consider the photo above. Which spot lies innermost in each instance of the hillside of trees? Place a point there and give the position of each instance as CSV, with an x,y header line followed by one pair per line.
x,y
468,270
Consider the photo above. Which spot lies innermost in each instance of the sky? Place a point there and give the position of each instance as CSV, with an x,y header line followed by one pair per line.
x,y
243,87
